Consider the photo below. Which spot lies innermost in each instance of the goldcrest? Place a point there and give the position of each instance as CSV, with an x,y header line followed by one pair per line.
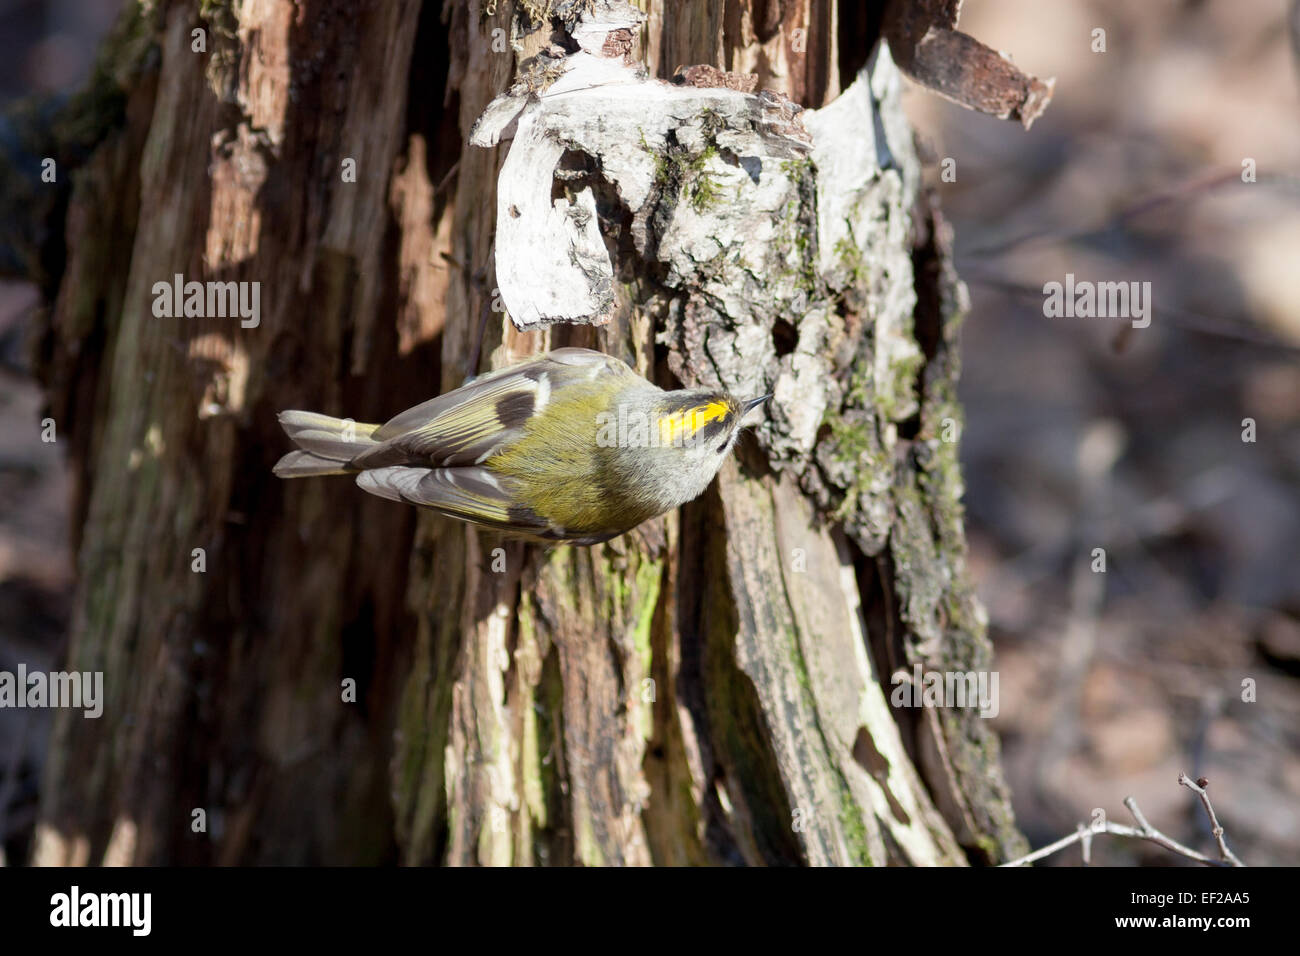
x,y
572,445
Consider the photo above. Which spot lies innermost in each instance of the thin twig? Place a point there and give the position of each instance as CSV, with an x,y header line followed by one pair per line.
x,y
1200,788
1061,844
1143,831
1148,832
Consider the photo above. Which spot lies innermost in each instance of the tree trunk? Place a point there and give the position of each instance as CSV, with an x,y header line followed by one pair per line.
x,y
710,688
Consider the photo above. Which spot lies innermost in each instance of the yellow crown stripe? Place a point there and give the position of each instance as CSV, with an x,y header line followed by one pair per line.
x,y
689,421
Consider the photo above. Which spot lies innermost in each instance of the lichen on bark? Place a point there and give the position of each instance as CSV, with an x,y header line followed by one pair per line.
x,y
776,248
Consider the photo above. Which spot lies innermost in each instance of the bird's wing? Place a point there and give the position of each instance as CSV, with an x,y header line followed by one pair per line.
x,y
470,494
463,426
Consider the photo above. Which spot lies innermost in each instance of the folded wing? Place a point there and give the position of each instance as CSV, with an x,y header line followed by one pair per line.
x,y
463,427
469,493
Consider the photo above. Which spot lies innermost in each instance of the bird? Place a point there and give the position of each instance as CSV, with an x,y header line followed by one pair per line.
x,y
571,445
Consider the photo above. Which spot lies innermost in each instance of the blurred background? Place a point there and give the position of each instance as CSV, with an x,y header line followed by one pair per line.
x,y
1080,433
46,46
1087,433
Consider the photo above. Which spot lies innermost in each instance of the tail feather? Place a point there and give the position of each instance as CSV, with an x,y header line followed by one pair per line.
x,y
327,445
303,464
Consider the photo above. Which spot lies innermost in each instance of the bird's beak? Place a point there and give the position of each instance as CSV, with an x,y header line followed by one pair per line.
x,y
748,407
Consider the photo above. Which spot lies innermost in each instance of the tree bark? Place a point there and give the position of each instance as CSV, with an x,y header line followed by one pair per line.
x,y
710,688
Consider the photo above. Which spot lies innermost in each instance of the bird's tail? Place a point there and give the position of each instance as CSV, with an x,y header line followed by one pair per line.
x,y
326,445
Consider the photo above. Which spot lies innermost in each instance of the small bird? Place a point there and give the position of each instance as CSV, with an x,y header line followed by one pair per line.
x,y
572,445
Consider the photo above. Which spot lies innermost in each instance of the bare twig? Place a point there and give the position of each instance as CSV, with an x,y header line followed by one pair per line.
x,y
1148,832
1078,836
1143,831
1085,837
1200,788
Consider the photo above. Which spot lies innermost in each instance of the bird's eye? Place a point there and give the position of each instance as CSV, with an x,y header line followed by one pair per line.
x,y
722,448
